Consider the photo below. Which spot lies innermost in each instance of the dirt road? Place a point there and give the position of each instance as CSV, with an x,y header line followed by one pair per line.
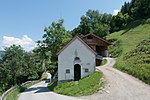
x,y
120,86
40,91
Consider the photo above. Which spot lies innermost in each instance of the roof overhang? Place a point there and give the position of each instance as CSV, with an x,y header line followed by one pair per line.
x,y
76,37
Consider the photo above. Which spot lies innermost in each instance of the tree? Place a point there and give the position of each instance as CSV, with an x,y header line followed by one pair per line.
x,y
43,55
137,9
94,22
54,38
12,62
126,8
17,66
3,78
119,21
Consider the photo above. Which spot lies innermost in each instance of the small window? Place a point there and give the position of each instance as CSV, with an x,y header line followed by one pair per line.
x,y
67,71
89,37
86,70
77,58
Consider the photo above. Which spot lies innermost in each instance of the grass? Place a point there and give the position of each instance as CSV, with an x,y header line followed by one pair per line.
x,y
131,46
104,61
85,86
15,94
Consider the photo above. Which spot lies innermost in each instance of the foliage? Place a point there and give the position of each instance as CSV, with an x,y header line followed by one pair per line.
x,y
137,9
17,66
115,49
54,38
130,11
93,22
104,61
135,44
103,24
52,85
119,21
85,86
43,56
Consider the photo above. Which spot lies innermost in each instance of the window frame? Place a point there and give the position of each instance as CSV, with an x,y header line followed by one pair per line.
x,y
86,70
67,71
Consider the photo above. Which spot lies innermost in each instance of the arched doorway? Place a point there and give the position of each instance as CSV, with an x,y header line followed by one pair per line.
x,y
77,72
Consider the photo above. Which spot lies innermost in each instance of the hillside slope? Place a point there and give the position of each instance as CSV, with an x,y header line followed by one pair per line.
x,y
131,47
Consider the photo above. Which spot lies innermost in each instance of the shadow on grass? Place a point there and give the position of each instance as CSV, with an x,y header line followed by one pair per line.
x,y
22,88
52,85
134,24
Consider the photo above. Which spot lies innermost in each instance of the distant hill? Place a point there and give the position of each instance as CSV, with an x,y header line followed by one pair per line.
x,y
131,47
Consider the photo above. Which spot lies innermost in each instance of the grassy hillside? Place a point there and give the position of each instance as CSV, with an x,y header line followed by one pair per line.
x,y
131,46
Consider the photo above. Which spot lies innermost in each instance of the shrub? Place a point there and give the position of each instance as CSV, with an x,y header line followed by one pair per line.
x,y
115,49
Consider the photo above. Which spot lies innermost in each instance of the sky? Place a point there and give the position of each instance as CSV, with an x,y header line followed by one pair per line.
x,y
22,21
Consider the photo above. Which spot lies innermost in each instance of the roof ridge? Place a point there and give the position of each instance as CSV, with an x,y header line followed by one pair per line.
x,y
75,37
96,37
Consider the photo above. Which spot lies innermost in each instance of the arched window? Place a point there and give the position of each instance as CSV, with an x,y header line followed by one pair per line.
x,y
76,58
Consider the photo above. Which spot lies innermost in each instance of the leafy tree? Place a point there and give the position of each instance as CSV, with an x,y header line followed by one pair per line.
x,y
130,11
17,66
54,38
3,78
137,9
119,21
13,63
43,56
94,22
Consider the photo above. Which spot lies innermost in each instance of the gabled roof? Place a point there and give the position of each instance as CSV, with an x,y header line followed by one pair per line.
x,y
76,37
97,38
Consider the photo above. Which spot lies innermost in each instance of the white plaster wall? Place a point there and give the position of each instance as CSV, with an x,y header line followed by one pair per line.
x,y
66,60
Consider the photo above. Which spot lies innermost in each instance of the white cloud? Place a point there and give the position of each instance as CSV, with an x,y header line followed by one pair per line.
x,y
116,12
26,42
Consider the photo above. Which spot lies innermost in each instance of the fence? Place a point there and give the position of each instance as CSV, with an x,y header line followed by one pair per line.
x,y
13,89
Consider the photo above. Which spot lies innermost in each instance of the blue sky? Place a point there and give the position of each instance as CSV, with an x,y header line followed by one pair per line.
x,y
22,21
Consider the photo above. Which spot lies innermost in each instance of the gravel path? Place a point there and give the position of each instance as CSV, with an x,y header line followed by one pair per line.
x,y
120,86
41,92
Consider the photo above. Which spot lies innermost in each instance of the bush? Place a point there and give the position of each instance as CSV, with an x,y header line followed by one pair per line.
x,y
115,49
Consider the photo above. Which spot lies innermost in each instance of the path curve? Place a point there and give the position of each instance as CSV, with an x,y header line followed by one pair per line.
x,y
120,86
40,91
